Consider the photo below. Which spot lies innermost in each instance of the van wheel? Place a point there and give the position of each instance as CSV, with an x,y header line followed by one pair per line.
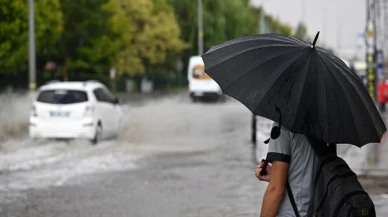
x,y
194,99
97,135
222,98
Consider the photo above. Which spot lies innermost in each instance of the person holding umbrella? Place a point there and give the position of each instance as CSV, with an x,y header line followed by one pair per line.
x,y
300,171
316,102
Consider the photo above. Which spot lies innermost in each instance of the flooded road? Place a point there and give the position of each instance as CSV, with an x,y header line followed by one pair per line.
x,y
174,158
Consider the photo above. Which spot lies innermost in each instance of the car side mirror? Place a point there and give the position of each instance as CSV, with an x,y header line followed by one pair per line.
x,y
116,101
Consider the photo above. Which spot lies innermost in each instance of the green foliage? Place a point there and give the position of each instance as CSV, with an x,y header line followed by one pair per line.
x,y
225,20
273,25
14,30
153,34
301,31
222,20
276,26
137,37
88,40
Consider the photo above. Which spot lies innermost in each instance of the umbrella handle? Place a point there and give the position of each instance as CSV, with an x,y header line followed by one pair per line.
x,y
263,171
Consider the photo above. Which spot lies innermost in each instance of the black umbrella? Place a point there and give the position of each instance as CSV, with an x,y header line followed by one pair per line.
x,y
312,91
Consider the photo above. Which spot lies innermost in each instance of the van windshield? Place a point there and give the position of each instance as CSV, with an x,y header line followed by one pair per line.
x,y
198,72
62,96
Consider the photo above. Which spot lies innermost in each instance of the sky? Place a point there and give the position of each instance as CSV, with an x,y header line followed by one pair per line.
x,y
339,21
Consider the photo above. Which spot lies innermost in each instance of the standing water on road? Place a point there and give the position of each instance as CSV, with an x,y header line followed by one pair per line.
x,y
173,158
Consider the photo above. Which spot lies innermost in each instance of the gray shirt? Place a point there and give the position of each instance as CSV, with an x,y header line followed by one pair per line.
x,y
295,149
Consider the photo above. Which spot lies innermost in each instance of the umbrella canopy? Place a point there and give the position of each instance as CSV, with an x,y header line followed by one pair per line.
x,y
312,91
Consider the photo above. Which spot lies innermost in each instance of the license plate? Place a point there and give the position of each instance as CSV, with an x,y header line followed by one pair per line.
x,y
59,114
198,93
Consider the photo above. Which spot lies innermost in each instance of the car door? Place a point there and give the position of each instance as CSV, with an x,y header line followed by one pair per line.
x,y
114,111
103,109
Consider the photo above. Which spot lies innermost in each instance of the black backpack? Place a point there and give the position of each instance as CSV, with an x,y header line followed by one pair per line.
x,y
337,191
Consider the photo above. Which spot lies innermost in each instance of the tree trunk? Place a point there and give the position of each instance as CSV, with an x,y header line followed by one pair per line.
x,y
66,65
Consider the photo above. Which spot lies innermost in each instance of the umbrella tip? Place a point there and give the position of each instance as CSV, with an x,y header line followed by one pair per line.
x,y
315,40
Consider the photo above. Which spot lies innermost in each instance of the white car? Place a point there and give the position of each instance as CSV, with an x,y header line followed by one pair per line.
x,y
70,110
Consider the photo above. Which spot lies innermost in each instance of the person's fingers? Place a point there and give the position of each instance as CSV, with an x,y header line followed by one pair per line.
x,y
261,178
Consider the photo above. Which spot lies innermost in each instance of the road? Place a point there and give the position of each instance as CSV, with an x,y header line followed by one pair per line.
x,y
174,158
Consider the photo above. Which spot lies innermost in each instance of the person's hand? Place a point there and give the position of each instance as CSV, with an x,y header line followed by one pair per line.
x,y
258,169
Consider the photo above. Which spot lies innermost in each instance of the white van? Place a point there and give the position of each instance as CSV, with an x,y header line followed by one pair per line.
x,y
200,84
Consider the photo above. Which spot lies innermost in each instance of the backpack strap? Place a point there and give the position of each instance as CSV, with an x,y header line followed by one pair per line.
x,y
292,199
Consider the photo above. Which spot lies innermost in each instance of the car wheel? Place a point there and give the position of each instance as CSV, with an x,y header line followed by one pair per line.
x,y
97,135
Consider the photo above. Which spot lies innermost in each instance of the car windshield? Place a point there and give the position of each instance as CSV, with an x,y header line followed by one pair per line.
x,y
62,96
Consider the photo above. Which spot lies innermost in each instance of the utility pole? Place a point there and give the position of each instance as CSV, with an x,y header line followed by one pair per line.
x,y
254,130
379,6
303,11
263,27
385,23
31,38
370,42
382,27
200,28
371,47
339,38
324,12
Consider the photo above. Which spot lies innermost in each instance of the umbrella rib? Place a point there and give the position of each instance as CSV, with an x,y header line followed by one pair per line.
x,y
252,70
253,38
295,58
345,92
324,88
303,88
363,98
249,50
292,40
342,65
297,40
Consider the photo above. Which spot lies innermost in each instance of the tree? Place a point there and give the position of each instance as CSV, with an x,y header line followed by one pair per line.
x,y
301,31
273,25
226,20
153,34
88,41
14,30
278,27
222,20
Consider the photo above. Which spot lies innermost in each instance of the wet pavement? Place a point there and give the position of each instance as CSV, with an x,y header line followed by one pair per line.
x,y
174,158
